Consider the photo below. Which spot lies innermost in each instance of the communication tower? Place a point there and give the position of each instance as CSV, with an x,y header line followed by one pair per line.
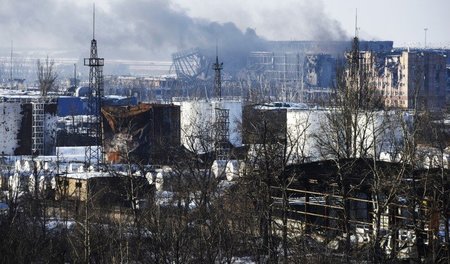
x,y
222,133
93,153
222,115
217,77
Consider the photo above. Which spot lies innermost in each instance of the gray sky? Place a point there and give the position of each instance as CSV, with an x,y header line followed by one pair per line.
x,y
400,20
153,29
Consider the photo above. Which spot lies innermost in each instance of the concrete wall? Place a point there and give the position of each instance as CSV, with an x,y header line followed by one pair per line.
x,y
302,127
16,130
377,132
197,119
10,121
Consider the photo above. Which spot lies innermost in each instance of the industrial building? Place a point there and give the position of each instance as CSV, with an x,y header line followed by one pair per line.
x,y
303,131
198,118
293,76
101,188
143,134
298,71
28,125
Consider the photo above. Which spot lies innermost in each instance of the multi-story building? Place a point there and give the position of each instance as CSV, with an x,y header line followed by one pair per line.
x,y
408,79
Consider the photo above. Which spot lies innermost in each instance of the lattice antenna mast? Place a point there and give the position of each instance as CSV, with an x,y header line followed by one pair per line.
x,y
355,47
217,77
11,67
356,23
222,133
94,130
93,23
356,67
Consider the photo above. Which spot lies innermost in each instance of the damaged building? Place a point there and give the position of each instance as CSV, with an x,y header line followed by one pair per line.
x,y
293,76
144,133
409,78
301,71
28,125
293,60
73,118
284,70
144,89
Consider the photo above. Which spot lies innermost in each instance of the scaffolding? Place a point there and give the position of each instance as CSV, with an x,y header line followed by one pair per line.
x,y
222,133
38,122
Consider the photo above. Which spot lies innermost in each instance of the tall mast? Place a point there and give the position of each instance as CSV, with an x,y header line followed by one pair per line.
x,y
217,77
356,23
425,41
93,22
94,149
11,67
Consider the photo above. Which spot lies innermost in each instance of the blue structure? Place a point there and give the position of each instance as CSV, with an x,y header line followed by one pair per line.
x,y
72,105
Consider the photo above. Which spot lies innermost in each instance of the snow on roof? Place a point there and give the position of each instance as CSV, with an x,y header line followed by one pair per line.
x,y
283,105
86,175
72,154
19,93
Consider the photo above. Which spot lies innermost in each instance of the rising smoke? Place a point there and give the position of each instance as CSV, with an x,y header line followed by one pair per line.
x,y
139,29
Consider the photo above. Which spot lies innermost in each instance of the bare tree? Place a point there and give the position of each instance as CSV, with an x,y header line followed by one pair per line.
x,y
352,129
46,76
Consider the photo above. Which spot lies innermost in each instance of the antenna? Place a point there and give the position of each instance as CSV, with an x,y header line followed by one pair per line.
x,y
217,48
425,42
93,21
11,65
95,64
356,23
75,75
217,78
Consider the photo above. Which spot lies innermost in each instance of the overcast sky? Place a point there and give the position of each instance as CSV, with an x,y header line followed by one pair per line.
x,y
400,20
153,29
